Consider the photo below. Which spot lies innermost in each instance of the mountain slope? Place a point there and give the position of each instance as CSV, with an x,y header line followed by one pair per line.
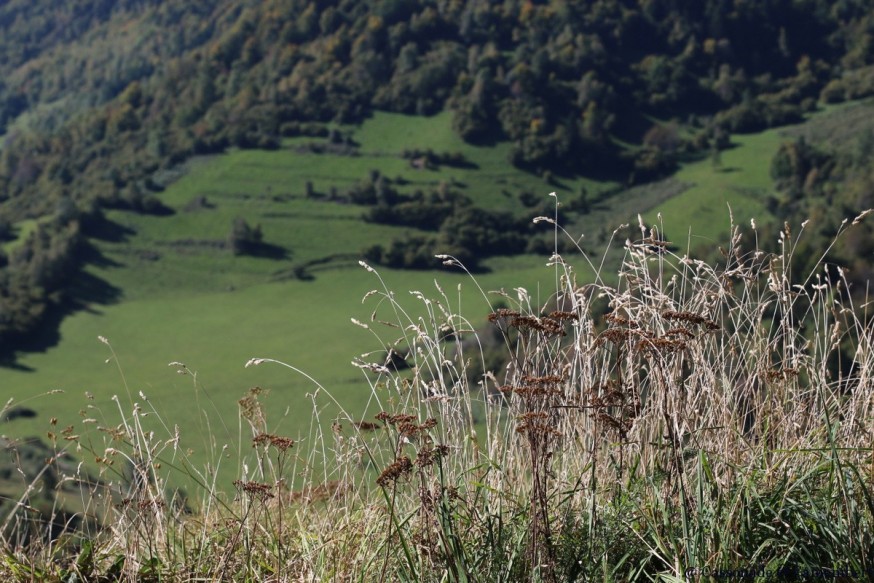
x,y
119,91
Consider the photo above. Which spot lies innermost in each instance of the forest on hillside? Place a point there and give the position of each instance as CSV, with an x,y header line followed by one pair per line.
x,y
99,98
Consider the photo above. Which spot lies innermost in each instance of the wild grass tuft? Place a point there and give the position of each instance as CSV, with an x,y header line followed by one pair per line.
x,y
693,420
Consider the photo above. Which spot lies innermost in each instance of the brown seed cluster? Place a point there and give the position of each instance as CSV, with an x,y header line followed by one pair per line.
x,y
563,316
406,424
684,332
618,320
546,325
661,345
399,468
536,424
619,336
386,417
250,407
428,455
367,426
690,318
623,406
254,489
280,443
621,425
503,314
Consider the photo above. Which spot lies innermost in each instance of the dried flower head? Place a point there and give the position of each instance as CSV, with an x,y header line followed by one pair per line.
x,y
562,316
618,336
537,424
400,467
254,489
503,313
615,318
250,407
280,443
428,455
546,326
412,430
535,386
367,426
685,332
661,345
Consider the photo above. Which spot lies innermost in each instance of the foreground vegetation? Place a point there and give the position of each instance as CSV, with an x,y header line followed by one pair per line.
x,y
691,420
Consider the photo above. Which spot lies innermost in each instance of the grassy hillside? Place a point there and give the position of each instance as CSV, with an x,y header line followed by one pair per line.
x,y
186,186
97,96
162,289
173,294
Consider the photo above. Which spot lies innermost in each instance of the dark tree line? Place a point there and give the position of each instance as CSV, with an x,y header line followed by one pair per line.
x,y
443,221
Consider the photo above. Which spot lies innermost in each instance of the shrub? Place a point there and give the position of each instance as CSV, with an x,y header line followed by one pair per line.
x,y
243,238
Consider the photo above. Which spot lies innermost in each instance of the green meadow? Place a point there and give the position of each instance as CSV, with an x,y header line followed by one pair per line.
x,y
173,294
739,184
699,213
178,296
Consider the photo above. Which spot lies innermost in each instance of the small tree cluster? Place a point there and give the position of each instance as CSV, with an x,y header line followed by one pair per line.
x,y
244,239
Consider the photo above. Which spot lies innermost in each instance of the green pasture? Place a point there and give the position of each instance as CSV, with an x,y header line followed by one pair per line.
x,y
182,297
172,293
488,182
741,181
305,324
737,186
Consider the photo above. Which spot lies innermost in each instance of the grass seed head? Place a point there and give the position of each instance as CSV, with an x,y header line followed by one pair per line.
x,y
256,490
279,442
399,468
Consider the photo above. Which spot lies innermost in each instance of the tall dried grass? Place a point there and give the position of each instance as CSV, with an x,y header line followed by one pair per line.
x,y
694,420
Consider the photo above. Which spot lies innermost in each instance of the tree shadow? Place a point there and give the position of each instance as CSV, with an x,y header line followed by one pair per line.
x,y
267,251
8,361
305,271
488,139
86,292
103,229
463,164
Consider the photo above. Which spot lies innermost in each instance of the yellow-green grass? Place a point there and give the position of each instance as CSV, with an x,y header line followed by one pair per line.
x,y
304,324
740,183
741,180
